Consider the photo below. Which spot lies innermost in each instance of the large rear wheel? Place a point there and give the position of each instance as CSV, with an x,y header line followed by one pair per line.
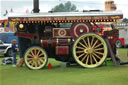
x,y
90,50
35,58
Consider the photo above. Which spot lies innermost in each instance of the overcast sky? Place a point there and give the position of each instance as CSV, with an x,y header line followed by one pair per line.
x,y
46,5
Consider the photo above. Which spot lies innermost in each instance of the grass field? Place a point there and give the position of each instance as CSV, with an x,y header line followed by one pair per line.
x,y
123,54
72,75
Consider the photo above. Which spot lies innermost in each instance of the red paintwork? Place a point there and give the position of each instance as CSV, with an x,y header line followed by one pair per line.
x,y
64,42
4,20
95,27
61,33
64,18
78,29
44,43
101,26
53,42
27,35
112,36
122,41
49,41
48,31
62,50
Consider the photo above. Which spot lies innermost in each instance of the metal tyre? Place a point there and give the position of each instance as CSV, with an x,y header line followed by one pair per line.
x,y
9,53
90,50
35,58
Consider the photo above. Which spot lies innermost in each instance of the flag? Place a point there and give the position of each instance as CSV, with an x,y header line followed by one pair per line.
x,y
27,11
11,11
5,13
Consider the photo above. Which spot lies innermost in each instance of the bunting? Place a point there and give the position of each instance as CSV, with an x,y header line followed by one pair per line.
x,y
11,11
27,11
5,13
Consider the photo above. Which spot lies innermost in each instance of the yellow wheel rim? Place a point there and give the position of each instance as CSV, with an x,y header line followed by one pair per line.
x,y
90,50
35,58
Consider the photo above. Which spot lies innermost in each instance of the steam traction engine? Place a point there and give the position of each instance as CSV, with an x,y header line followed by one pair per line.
x,y
71,37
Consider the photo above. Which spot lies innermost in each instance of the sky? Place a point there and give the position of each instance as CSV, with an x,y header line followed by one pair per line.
x,y
47,5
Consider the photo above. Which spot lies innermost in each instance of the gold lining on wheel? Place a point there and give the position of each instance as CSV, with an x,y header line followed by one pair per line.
x,y
90,51
35,58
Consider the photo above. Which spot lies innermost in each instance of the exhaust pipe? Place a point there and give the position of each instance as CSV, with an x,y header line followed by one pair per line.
x,y
36,6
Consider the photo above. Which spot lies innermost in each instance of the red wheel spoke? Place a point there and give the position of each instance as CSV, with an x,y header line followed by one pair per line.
x,y
91,59
82,45
99,53
92,40
81,55
35,63
88,42
94,59
32,53
95,43
30,62
85,43
87,60
41,60
99,49
84,57
79,51
41,54
38,52
97,56
98,45
29,58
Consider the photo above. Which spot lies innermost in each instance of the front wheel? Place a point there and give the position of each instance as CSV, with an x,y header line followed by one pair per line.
x,y
35,58
118,44
9,53
90,50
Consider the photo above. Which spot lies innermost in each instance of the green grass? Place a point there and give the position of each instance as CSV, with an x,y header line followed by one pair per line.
x,y
123,54
72,75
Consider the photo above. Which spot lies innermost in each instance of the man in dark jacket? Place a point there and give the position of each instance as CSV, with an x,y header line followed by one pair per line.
x,y
14,52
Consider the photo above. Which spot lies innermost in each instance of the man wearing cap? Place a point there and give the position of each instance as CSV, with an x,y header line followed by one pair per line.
x,y
14,52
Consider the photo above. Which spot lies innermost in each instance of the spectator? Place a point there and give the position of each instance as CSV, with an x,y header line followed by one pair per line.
x,y
14,52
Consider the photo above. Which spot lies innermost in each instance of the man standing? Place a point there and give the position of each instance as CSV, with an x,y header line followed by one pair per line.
x,y
14,52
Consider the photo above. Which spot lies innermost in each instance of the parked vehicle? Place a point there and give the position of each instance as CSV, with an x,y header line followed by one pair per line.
x,y
5,49
123,38
7,37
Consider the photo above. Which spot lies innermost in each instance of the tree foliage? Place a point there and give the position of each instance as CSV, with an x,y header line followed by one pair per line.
x,y
67,7
125,20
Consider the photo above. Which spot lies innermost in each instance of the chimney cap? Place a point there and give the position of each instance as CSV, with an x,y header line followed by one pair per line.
x,y
109,0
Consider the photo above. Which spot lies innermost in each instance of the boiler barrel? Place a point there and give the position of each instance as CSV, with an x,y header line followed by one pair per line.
x,y
55,42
